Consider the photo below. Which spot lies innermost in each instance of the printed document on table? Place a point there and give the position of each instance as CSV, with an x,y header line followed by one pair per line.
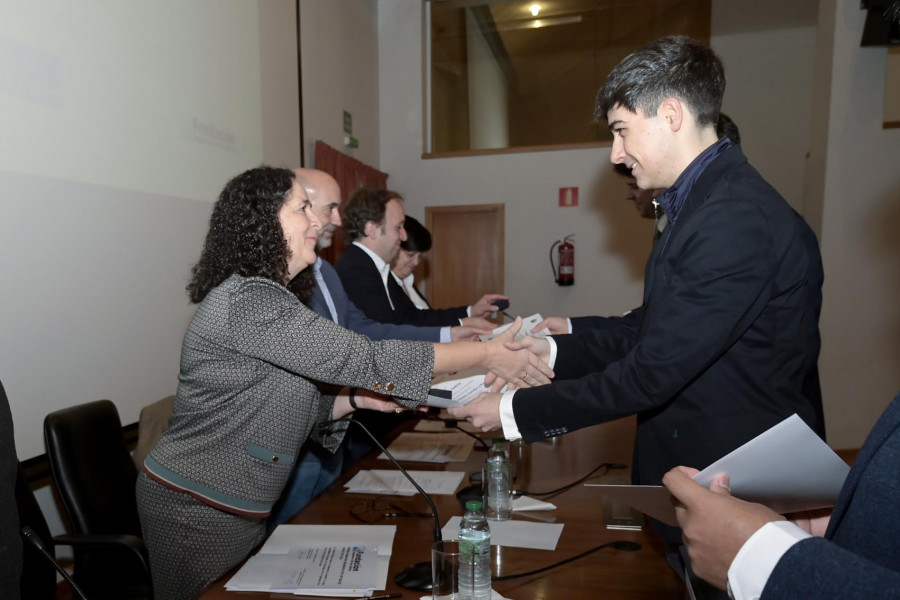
x,y
382,481
319,570
788,468
345,560
427,447
528,324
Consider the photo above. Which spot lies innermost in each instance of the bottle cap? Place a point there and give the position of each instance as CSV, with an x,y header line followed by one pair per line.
x,y
473,505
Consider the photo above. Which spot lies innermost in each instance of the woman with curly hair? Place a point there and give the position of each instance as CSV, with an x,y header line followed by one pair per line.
x,y
247,395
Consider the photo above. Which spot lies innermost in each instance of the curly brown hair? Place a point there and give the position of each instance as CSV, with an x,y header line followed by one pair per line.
x,y
245,236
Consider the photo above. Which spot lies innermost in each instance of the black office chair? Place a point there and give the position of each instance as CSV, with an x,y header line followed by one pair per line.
x,y
95,477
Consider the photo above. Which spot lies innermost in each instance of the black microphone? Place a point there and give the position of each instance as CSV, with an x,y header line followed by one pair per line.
x,y
416,576
29,534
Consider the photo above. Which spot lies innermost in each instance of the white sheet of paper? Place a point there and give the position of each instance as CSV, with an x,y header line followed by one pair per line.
x,y
428,447
383,481
528,324
788,468
520,534
529,503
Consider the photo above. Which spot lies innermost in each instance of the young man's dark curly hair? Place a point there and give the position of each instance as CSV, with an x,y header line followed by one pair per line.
x,y
245,235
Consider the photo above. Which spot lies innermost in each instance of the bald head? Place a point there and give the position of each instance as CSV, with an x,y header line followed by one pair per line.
x,y
325,195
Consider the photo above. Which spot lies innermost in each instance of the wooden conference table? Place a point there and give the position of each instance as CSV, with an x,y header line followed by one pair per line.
x,y
607,573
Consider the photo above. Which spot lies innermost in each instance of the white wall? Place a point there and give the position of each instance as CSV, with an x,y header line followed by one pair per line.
x,y
339,52
95,261
92,303
860,321
775,124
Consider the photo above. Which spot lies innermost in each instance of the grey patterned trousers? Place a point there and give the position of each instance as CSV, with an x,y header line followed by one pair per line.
x,y
191,544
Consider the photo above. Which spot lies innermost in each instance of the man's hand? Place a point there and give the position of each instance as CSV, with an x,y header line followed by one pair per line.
x,y
485,305
514,362
467,334
555,325
714,525
483,412
540,346
479,323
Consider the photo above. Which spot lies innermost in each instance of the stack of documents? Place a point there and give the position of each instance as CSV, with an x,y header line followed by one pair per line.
x,y
380,481
319,560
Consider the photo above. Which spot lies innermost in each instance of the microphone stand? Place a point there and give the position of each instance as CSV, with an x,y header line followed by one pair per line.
x,y
29,534
416,576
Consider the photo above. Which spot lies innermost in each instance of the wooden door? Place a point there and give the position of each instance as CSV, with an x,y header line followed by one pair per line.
x,y
466,259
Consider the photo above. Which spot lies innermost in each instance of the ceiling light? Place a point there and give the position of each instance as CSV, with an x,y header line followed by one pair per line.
x,y
535,9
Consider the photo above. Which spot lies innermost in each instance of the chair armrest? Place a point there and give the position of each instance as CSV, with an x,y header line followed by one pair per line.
x,y
131,542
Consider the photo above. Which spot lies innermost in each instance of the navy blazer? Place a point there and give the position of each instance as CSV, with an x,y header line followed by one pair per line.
x,y
859,557
724,346
352,318
365,288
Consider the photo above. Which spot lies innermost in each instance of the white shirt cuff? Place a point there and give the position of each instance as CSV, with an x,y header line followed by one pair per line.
x,y
507,418
569,324
445,335
551,362
469,311
755,561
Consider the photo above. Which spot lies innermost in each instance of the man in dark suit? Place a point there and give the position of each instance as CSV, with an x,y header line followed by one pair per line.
x,y
726,342
373,222
850,552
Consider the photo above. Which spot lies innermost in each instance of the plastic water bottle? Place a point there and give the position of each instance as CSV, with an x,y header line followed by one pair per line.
x,y
497,476
475,550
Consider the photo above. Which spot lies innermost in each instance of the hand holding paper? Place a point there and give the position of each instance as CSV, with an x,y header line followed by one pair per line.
x,y
700,511
788,468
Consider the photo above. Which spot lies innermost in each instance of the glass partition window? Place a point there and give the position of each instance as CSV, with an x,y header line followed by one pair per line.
x,y
504,74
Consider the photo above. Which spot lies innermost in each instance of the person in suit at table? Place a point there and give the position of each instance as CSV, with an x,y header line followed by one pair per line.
x,y
373,222
417,242
315,469
852,551
247,393
726,342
